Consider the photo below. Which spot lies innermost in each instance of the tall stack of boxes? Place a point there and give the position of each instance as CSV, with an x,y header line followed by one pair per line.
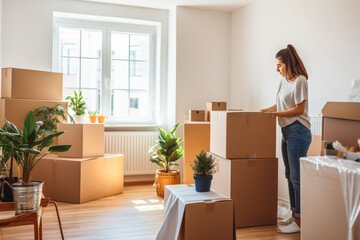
x,y
197,136
79,175
244,146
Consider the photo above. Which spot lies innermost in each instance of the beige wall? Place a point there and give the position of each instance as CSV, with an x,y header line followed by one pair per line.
x,y
326,35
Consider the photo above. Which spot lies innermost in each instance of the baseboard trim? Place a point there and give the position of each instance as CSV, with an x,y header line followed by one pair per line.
x,y
138,183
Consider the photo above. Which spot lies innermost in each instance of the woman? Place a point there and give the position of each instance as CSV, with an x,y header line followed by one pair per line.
x,y
291,108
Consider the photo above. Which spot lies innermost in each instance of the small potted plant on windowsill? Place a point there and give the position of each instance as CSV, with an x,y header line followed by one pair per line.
x,y
78,105
164,153
204,168
92,116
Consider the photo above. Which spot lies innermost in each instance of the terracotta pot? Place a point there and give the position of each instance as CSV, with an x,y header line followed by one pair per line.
x,y
101,119
163,178
92,119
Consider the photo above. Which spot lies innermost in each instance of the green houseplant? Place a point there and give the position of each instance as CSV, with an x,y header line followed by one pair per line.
x,y
92,116
204,168
165,153
330,151
50,117
26,150
78,105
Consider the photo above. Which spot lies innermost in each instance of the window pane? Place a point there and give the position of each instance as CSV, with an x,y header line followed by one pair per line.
x,y
69,42
90,73
139,47
91,43
120,74
91,97
120,103
70,69
119,46
139,75
139,104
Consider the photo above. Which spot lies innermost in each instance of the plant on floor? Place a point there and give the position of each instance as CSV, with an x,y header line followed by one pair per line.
x,y
166,150
77,103
50,117
204,168
26,144
203,165
329,146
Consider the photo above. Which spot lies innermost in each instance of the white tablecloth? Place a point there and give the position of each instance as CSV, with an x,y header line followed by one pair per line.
x,y
175,207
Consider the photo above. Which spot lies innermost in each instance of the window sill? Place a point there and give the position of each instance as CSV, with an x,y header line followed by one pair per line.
x,y
131,127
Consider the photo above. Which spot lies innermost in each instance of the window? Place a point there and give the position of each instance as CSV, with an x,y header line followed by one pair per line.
x,y
113,64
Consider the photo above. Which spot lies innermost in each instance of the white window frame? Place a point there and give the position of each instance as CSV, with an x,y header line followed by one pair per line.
x,y
105,91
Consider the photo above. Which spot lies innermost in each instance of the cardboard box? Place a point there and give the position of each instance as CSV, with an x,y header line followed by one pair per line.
x,y
323,211
211,220
197,115
196,139
31,84
87,139
79,180
341,121
253,186
16,110
236,135
214,106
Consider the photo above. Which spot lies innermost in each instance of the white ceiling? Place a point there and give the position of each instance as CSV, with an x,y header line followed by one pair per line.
x,y
220,5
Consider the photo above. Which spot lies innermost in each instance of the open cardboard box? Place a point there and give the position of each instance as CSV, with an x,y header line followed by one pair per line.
x,y
235,135
19,83
341,121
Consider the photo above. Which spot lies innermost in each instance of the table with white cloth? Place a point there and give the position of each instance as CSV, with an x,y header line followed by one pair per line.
x,y
189,214
330,199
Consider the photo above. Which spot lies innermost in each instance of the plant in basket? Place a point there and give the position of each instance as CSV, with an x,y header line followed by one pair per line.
x,y
26,146
165,153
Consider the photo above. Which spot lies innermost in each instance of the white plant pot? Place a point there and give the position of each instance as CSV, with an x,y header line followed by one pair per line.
x,y
79,119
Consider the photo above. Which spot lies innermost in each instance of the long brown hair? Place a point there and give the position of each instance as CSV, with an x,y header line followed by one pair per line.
x,y
292,61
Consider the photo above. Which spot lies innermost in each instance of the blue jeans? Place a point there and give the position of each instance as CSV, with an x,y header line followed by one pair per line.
x,y
295,144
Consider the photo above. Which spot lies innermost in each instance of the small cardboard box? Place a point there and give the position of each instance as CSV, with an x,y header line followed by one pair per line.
x,y
197,115
31,84
79,180
253,186
341,121
323,209
16,110
214,106
243,134
87,139
196,139
211,220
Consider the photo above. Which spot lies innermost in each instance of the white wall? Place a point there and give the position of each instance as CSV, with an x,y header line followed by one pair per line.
x,y
326,36
203,59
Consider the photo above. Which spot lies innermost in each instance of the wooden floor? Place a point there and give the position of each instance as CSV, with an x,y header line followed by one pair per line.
x,y
134,215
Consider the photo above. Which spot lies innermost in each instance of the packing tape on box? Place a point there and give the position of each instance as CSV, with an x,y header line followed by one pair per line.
x,y
252,155
248,120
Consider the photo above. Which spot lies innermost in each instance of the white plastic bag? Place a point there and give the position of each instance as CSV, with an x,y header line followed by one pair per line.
x,y
354,95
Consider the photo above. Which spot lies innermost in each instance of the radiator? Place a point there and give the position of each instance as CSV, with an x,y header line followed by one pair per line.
x,y
316,123
135,146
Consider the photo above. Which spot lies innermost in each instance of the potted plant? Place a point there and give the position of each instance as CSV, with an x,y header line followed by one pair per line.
x,y
101,118
92,116
204,168
50,117
330,151
78,105
164,153
27,145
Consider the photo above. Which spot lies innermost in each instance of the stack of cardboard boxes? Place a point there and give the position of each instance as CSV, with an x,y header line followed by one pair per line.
x,y
197,136
85,174
244,146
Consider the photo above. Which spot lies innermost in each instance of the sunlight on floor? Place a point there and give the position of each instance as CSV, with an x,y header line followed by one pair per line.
x,y
149,205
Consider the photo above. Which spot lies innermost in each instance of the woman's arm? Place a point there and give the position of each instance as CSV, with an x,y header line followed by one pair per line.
x,y
270,109
296,111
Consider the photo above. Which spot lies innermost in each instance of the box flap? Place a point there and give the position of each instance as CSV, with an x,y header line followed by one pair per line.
x,y
342,110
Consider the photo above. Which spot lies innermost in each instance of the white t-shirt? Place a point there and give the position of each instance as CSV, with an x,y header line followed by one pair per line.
x,y
289,94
